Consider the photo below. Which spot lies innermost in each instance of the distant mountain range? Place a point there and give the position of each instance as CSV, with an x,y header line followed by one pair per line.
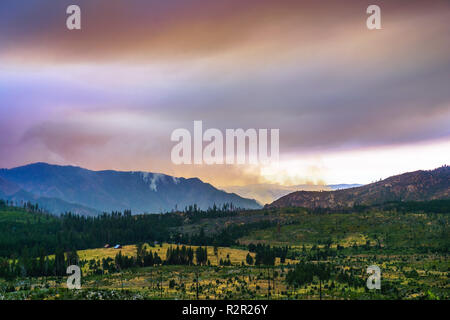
x,y
411,186
67,188
343,186
267,192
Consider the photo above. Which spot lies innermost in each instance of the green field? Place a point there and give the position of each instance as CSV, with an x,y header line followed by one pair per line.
x,y
411,249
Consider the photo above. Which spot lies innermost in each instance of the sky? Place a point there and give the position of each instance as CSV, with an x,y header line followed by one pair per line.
x,y
352,105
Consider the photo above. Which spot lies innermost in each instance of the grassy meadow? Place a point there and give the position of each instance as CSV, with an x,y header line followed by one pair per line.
x,y
410,248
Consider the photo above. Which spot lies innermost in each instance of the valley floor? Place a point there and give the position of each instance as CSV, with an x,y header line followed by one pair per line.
x,y
404,276
411,249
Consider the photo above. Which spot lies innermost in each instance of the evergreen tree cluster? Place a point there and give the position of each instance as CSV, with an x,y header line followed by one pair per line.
x,y
35,231
194,213
180,256
42,266
201,255
265,254
305,273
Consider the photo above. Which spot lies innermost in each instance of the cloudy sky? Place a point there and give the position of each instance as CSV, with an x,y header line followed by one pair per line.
x,y
353,105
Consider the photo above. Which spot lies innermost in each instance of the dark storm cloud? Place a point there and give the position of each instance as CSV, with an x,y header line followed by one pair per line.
x,y
139,69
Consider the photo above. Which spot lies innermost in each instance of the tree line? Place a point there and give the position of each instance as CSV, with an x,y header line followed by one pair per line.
x,y
266,255
34,231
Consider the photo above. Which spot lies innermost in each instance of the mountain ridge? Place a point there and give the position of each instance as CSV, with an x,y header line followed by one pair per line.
x,y
110,190
266,193
420,185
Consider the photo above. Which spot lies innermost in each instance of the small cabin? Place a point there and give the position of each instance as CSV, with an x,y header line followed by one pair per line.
x,y
117,246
